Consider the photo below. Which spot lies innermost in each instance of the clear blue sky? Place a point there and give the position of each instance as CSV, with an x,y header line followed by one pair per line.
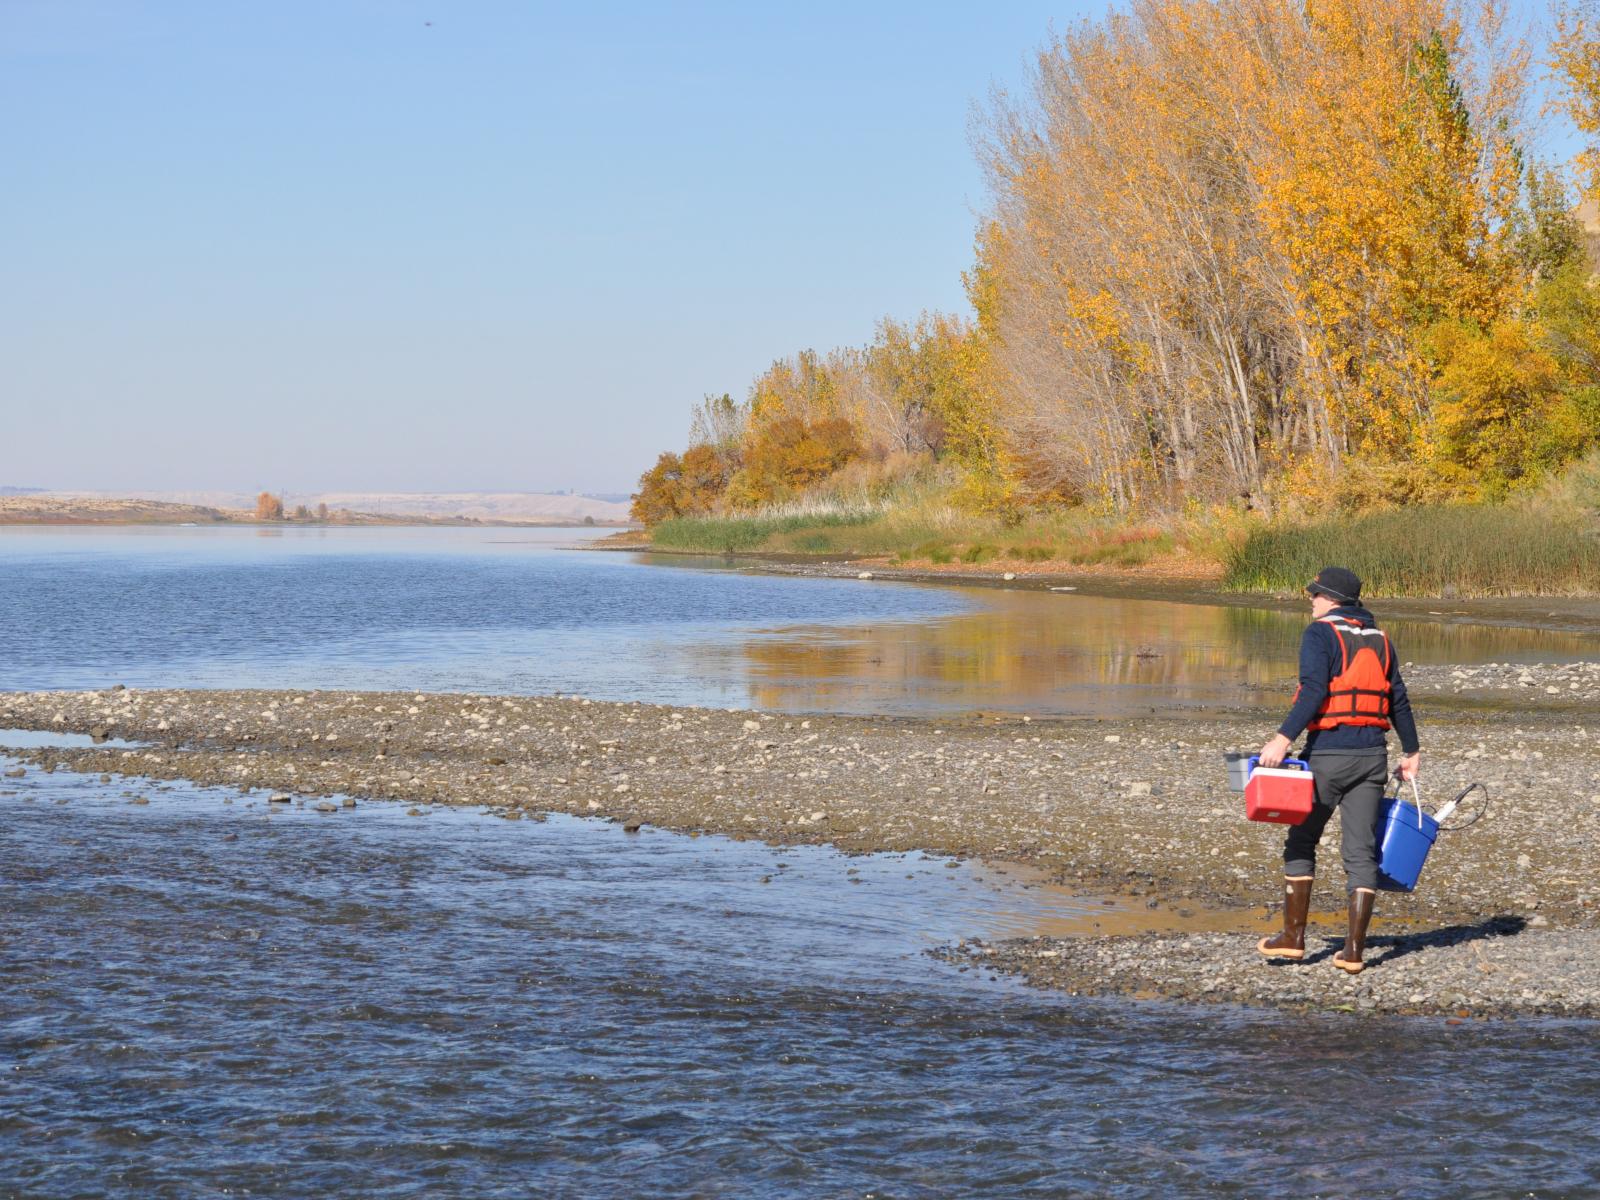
x,y
332,245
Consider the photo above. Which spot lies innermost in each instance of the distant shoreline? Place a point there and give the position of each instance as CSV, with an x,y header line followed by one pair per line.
x,y
27,510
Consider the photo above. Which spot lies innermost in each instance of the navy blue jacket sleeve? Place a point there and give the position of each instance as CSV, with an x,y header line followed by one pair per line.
x,y
1316,672
1405,724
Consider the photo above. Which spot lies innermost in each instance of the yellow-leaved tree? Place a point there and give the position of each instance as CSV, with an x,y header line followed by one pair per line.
x,y
1575,55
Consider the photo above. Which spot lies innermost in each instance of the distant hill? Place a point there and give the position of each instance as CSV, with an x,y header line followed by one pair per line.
x,y
482,506
35,509
523,508
8,490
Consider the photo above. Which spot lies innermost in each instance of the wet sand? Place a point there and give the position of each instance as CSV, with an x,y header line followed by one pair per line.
x,y
1139,809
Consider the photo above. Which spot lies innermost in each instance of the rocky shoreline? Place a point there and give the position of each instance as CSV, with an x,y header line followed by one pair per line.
x,y
1496,967
1135,809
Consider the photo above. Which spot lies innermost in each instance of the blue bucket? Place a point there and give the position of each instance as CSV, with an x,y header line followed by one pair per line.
x,y
1405,835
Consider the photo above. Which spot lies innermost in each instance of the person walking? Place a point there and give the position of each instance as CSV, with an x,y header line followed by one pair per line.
x,y
1350,695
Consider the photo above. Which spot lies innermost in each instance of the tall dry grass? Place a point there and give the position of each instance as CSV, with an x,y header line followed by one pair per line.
x,y
1467,550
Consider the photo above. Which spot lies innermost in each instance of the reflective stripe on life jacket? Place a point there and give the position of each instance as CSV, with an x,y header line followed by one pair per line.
x,y
1359,693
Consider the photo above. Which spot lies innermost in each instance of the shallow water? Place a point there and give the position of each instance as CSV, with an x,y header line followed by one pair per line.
x,y
200,998
517,610
45,739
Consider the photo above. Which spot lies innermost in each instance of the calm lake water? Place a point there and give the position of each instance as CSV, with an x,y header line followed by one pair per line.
x,y
514,610
199,998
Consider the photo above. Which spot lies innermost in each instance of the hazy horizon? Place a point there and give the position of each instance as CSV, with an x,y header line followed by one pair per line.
x,y
8,487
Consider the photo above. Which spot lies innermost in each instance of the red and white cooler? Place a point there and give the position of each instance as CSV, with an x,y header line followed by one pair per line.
x,y
1282,795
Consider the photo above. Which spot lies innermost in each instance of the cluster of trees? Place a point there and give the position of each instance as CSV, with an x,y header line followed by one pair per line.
x,y
875,412
269,507
1239,249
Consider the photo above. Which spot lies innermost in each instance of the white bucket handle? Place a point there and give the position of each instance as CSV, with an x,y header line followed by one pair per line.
x,y
1416,797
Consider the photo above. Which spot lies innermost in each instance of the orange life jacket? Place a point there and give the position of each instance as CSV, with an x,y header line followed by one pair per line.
x,y
1359,693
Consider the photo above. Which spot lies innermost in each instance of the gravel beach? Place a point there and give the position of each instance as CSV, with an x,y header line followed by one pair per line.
x,y
1505,920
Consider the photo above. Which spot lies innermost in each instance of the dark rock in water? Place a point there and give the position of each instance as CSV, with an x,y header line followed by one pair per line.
x,y
279,798
327,806
631,825
16,772
99,733
139,800
349,802
105,779
119,687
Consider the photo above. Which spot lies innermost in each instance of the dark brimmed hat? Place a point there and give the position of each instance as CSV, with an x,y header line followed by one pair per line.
x,y
1340,583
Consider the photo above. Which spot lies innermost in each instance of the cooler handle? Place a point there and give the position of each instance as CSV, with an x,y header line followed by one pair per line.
x,y
1288,762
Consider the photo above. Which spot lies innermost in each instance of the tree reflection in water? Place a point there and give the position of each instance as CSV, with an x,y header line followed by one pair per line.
x,y
1075,655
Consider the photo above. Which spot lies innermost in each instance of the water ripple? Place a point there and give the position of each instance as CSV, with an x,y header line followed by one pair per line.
x,y
562,1009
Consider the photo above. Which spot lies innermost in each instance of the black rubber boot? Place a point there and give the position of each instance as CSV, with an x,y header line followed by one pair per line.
x,y
1291,943
1355,942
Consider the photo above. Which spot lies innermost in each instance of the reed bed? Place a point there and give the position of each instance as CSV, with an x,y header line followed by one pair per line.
x,y
924,530
1462,550
732,535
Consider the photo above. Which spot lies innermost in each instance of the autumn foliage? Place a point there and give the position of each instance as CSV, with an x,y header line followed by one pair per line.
x,y
681,485
1249,252
269,507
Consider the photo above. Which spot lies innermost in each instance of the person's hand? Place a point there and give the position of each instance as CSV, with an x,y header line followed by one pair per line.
x,y
1410,765
1275,751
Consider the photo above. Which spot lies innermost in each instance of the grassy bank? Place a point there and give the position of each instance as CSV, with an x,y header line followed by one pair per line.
x,y
924,535
1468,550
1546,543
